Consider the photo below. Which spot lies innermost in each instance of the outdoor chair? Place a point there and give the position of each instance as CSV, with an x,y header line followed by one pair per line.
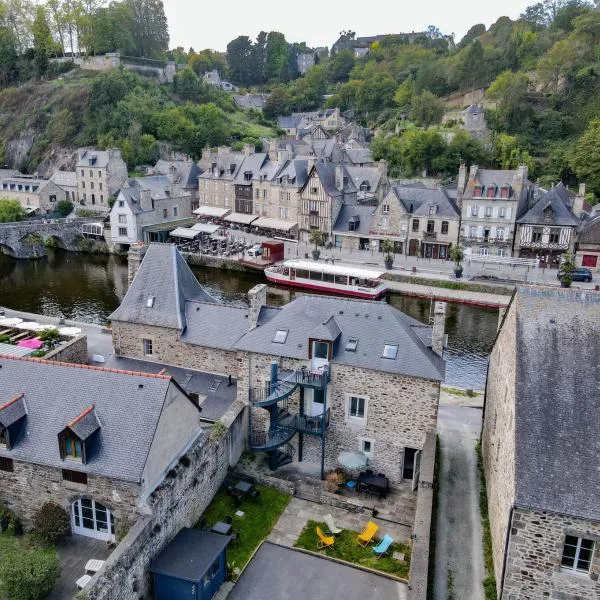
x,y
324,541
367,534
332,528
236,540
83,581
384,546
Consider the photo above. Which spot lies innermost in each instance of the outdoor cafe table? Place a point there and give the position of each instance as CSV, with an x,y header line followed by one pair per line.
x,y
378,483
243,487
222,528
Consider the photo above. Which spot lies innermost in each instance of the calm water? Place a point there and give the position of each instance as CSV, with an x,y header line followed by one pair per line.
x,y
88,288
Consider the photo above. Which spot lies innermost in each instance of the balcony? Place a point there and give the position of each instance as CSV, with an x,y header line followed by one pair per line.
x,y
484,240
286,384
305,423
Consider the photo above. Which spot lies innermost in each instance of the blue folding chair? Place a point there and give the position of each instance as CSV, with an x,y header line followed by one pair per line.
x,y
383,546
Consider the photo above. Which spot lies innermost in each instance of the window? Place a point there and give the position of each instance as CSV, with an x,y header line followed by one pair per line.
x,y
100,175
366,446
92,185
165,213
320,349
477,191
3,437
505,191
93,198
432,210
500,233
484,251
123,219
415,225
83,184
52,198
280,336
351,344
91,173
102,198
150,302
553,238
264,193
491,191
121,203
7,464
100,185
82,173
257,193
385,208
147,344
474,210
390,351
430,226
74,476
502,212
445,225
536,236
488,211
357,407
174,211
577,554
122,231
283,212
73,447
314,190
385,222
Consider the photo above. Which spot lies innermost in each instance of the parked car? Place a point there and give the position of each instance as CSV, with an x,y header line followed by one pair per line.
x,y
579,274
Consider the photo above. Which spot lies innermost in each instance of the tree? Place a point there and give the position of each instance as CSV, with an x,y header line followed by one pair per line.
x,y
276,57
404,95
427,109
239,59
150,28
376,93
52,522
11,211
474,32
585,156
64,208
276,104
8,51
341,64
509,155
558,62
42,41
29,574
509,90
113,27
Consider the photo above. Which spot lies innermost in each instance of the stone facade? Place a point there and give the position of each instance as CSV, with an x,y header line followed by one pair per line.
x,y
41,195
29,486
74,351
534,555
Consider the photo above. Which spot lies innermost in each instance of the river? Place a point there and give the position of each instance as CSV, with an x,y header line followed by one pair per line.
x,y
88,288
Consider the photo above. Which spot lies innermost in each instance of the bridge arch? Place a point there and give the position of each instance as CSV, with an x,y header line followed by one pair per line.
x,y
8,250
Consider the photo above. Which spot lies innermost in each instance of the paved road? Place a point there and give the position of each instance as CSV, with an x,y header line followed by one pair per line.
x,y
459,551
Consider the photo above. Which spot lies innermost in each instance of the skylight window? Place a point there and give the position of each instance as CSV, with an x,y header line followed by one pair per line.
x,y
390,351
280,336
351,344
150,302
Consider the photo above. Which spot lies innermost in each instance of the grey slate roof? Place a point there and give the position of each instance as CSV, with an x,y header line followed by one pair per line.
x,y
165,276
296,170
358,155
288,122
131,196
590,231
560,211
326,172
85,425
327,330
190,554
373,323
185,172
93,158
252,164
128,407
557,413
350,211
421,198
12,410
64,178
371,175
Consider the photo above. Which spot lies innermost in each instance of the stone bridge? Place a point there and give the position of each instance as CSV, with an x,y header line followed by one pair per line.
x,y
31,239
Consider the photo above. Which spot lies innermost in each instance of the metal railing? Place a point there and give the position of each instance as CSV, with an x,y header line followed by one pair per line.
x,y
271,439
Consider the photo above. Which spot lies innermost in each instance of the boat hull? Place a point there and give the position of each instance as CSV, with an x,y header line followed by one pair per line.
x,y
346,291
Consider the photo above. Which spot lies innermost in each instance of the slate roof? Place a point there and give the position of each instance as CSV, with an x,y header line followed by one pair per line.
x,y
131,196
590,231
128,405
326,172
372,175
224,161
186,172
252,164
358,155
85,424
99,158
64,178
158,185
561,213
557,412
165,276
373,323
250,100
288,122
190,554
350,211
12,410
421,198
296,170
328,330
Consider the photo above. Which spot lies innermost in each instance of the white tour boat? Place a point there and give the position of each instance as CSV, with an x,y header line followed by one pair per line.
x,y
329,277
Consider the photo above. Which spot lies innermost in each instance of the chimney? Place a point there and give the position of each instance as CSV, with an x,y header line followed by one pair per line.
x,y
382,167
206,159
462,178
273,145
339,177
257,298
438,337
248,149
579,202
522,174
146,199
282,156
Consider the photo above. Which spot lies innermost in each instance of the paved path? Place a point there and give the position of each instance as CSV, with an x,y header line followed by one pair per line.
x,y
459,551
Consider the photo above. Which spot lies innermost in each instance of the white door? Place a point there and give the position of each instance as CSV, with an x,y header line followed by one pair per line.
x,y
92,519
320,355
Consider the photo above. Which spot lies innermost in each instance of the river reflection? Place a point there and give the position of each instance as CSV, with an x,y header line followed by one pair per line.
x,y
89,287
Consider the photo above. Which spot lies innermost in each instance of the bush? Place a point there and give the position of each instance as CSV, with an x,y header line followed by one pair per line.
x,y
64,208
29,576
52,522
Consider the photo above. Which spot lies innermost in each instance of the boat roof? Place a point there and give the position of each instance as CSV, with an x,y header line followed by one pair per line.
x,y
334,269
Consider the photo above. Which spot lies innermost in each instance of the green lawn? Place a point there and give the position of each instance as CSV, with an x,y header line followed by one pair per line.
x,y
256,524
346,548
28,568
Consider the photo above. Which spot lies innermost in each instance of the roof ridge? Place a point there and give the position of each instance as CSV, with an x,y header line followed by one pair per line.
x,y
82,414
79,366
15,399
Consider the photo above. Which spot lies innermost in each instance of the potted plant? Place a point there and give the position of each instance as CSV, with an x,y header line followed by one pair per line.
x,y
565,271
388,248
317,238
457,254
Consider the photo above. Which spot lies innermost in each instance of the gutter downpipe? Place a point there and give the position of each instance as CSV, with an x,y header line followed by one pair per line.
x,y
506,542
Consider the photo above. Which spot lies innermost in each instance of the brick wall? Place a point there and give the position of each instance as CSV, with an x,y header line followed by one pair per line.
x,y
534,556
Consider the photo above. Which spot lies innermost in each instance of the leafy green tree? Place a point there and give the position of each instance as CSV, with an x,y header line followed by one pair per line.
x,y
8,51
427,109
509,91
341,64
474,32
239,59
376,93
11,211
64,207
557,63
585,156
403,97
276,104
509,155
150,28
113,29
30,575
276,59
42,41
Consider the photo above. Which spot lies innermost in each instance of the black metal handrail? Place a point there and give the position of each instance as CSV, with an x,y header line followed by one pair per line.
x,y
271,439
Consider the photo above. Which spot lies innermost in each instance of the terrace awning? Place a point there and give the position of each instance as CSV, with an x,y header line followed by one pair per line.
x,y
206,228
184,232
212,211
241,218
278,224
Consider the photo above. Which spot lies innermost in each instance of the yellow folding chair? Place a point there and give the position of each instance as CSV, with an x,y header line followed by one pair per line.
x,y
324,541
367,534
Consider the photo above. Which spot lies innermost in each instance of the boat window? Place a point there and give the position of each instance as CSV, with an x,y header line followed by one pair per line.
x,y
329,277
301,274
341,279
351,344
390,351
286,271
280,336
316,275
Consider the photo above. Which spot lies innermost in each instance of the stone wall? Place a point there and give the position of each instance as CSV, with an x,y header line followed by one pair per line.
x,y
74,351
29,486
534,555
498,437
178,502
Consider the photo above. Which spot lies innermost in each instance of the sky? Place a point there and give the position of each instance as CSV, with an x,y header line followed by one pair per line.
x,y
212,25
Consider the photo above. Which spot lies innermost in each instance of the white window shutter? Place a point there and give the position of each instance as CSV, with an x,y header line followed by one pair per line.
x,y
493,232
480,231
508,212
495,212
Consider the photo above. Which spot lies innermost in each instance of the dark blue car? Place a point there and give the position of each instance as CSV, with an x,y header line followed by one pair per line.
x,y
580,274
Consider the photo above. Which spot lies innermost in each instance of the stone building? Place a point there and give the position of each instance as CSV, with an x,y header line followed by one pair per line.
x,y
67,181
549,227
100,175
588,244
98,442
490,203
380,391
540,446
305,61
183,174
34,194
146,201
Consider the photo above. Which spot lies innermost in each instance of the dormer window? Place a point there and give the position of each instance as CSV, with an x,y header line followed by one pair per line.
x,y
248,176
365,186
491,191
432,210
385,208
390,351
505,191
477,191
12,420
73,447
75,440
